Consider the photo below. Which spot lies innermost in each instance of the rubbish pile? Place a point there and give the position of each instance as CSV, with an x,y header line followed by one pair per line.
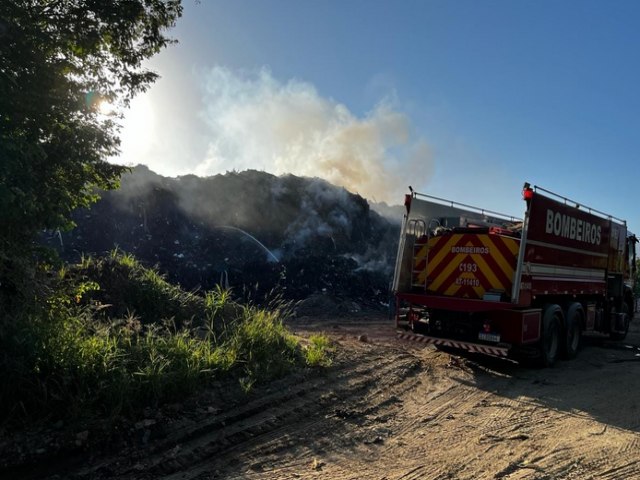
x,y
251,231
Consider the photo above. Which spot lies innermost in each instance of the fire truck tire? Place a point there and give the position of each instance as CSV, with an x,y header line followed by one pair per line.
x,y
550,344
622,335
573,320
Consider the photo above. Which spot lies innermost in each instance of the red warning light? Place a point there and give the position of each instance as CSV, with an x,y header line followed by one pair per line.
x,y
527,193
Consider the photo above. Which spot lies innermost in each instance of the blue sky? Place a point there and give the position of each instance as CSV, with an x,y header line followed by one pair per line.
x,y
461,99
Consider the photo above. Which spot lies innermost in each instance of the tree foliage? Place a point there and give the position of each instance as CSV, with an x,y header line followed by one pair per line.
x,y
58,60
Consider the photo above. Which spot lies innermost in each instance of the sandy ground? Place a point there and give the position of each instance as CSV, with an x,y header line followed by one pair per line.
x,y
390,409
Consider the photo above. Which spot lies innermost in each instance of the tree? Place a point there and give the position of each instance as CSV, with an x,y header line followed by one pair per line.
x,y
58,60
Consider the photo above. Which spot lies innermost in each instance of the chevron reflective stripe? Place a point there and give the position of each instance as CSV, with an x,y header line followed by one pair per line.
x,y
443,342
466,265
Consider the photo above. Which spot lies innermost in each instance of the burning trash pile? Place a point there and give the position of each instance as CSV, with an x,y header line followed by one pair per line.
x,y
251,231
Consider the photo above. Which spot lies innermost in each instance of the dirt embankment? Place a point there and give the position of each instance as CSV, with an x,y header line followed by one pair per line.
x,y
395,410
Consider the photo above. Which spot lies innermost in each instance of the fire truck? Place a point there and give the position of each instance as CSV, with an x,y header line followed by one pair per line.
x,y
473,279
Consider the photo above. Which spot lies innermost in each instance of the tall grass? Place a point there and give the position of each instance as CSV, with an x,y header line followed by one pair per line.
x,y
66,364
262,345
77,354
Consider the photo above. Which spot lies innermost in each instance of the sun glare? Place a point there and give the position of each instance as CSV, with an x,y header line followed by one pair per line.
x,y
137,129
106,108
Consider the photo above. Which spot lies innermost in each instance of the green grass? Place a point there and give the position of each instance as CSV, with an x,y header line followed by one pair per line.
x,y
318,352
127,286
112,337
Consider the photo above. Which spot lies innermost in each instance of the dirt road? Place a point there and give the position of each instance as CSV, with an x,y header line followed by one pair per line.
x,y
393,410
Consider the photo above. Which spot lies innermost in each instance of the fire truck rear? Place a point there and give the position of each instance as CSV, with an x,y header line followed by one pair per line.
x,y
526,288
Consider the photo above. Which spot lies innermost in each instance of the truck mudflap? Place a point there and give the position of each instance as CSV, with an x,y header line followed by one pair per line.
x,y
498,351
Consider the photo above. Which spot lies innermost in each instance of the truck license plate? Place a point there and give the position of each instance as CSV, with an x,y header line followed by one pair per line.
x,y
489,337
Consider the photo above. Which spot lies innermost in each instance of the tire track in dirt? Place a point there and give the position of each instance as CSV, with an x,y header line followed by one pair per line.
x,y
552,443
311,415
356,424
605,452
356,429
350,394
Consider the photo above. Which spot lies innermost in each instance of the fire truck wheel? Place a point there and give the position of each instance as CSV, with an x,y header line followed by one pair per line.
x,y
419,328
573,319
627,319
551,335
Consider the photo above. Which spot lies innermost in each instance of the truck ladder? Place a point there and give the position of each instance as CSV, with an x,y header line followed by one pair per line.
x,y
419,258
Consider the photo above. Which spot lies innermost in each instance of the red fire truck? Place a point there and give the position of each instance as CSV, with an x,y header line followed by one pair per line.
x,y
481,281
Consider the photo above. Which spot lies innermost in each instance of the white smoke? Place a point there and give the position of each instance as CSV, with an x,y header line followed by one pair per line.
x,y
257,122
325,212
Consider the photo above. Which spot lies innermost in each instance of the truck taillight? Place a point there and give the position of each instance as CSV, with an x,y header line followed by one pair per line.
x,y
527,194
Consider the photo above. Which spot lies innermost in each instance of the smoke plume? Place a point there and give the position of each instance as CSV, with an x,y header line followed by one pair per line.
x,y
257,122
